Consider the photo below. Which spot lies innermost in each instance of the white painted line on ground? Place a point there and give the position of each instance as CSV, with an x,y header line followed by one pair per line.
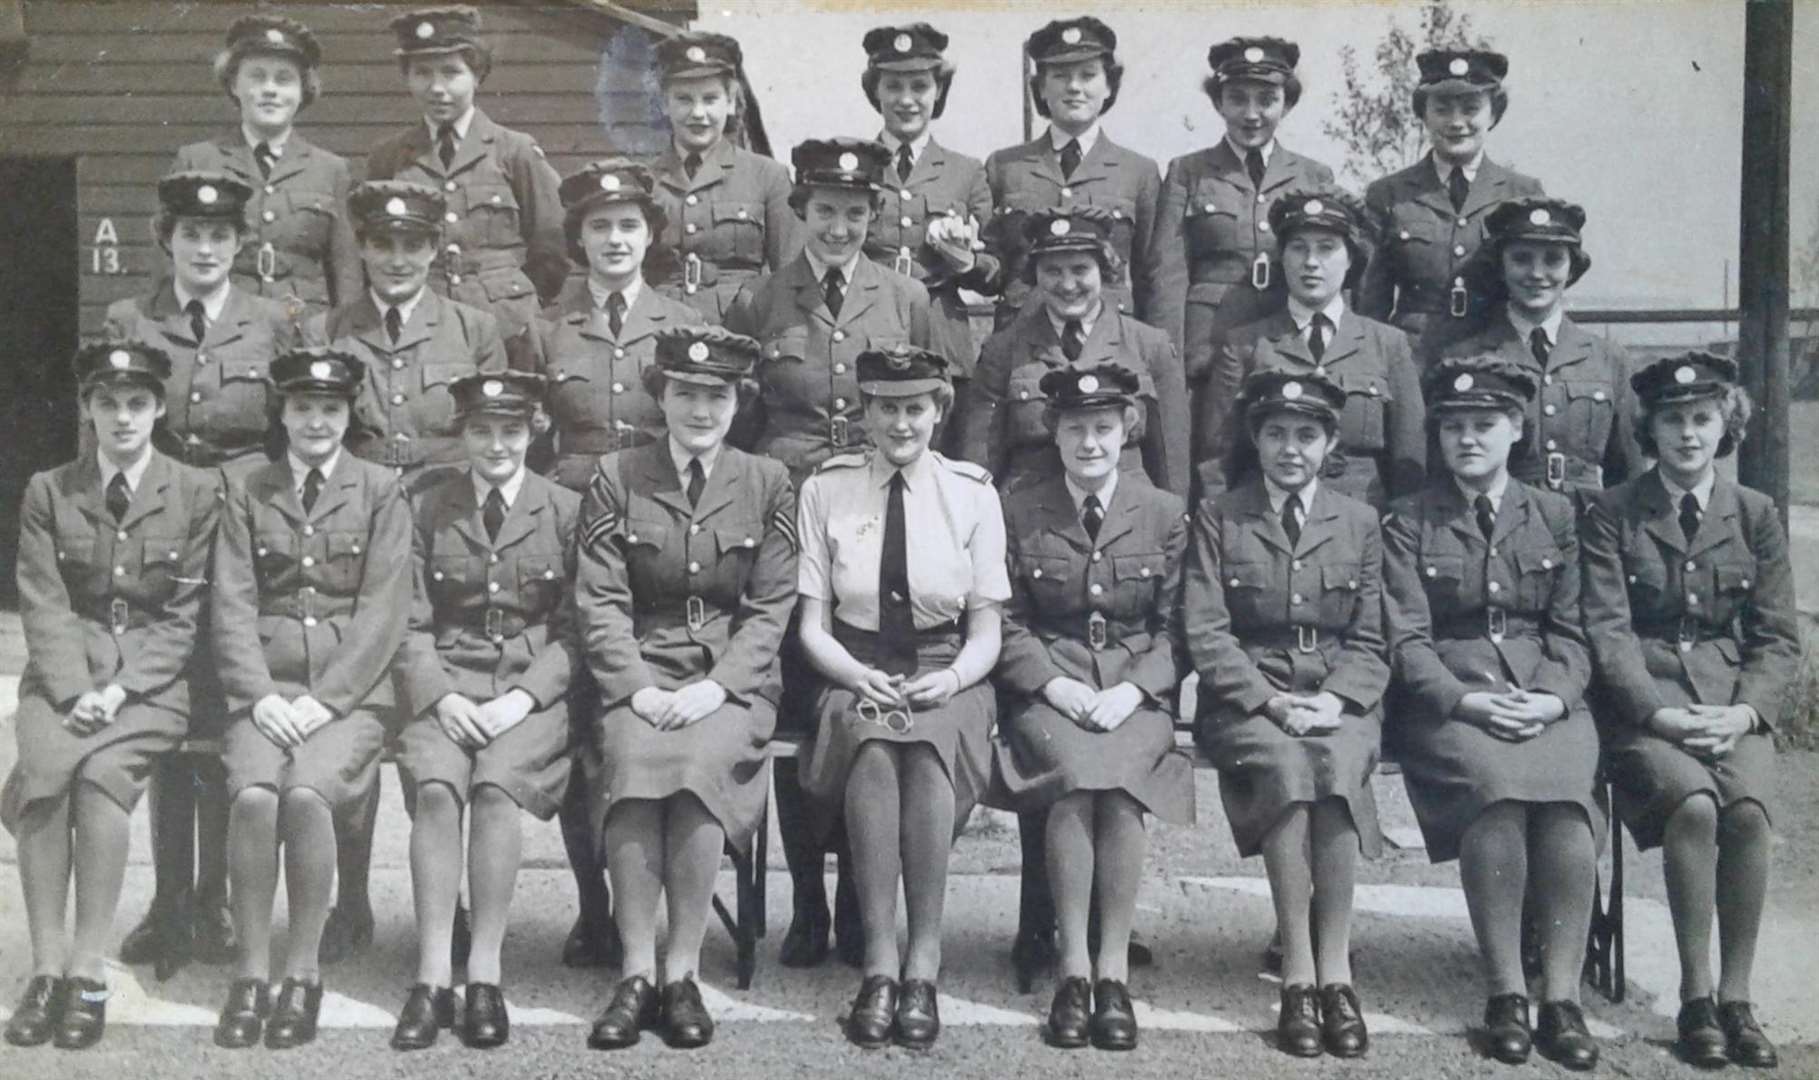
x,y
972,1013
1149,1016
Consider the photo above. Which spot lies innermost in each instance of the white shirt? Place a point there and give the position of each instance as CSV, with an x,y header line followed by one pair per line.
x,y
680,456
916,145
1268,150
1304,316
136,471
1058,138
1107,488
276,146
507,491
1495,493
300,471
211,305
1279,495
462,123
820,268
404,310
1701,492
1525,328
1445,171
1086,324
630,292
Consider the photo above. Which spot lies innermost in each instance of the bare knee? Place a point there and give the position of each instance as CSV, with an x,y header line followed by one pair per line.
x,y
256,805
1743,823
1695,820
435,799
872,763
301,803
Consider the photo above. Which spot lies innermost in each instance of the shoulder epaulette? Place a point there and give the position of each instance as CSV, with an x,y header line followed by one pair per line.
x,y
964,468
854,460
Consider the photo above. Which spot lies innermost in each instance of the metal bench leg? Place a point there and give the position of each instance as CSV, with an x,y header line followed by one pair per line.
x,y
1614,913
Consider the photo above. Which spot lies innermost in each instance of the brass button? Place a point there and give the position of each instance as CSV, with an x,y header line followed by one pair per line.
x,y
492,586
309,561
1096,589
694,568
1493,588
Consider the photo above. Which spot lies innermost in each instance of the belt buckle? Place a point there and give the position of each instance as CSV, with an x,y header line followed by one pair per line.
x,y
1556,470
268,260
495,625
1260,271
1686,635
899,721
306,610
1095,630
697,613
1458,299
116,616
1496,623
904,262
691,272
1307,638
837,431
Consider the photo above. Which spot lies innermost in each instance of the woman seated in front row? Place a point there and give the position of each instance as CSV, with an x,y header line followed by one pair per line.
x,y
1497,747
484,675
1282,605
687,576
1689,604
1089,669
905,636
113,560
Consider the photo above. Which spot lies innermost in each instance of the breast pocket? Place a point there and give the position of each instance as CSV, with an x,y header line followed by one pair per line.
x,y
1339,590
739,231
309,219
1732,583
1124,221
787,373
435,404
1045,580
453,578
542,580
244,392
493,214
346,561
1367,393
274,555
572,394
159,559
1442,576
1536,573
641,540
736,546
1252,595
1025,404
1413,242
1590,410
1138,576
1212,224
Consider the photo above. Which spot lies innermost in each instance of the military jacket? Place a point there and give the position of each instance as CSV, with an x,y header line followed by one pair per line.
x,y
727,227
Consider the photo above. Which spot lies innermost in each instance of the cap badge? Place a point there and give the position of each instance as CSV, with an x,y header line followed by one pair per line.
x,y
206,195
902,43
1539,217
1464,382
119,359
1060,227
395,206
426,30
609,182
1254,54
696,53
321,369
1459,66
849,162
1291,390
492,388
1071,35
275,36
897,361
1313,208
698,351
1088,384
1685,374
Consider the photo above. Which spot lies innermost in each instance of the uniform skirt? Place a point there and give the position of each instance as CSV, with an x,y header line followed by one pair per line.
x,y
958,731
529,762
1041,755
721,760
1263,770
118,759
338,761
1652,777
1455,770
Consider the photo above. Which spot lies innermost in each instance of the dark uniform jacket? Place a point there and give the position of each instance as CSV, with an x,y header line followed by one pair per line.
x,y
1099,611
1419,274
734,218
301,247
670,595
1466,616
1674,624
1582,420
1027,178
114,602
503,245
218,401
490,616
312,603
1264,616
406,417
1210,227
595,399
808,406
1002,424
1382,448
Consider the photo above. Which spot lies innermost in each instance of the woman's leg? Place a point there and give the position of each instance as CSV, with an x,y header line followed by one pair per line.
x,y
692,843
1070,853
435,878
1493,867
1689,855
252,843
1743,861
100,866
1285,859
495,848
1119,845
1563,860
873,827
634,863
927,809
309,878
44,873
1333,852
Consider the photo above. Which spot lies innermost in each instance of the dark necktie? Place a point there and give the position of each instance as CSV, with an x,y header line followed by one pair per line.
x,y
394,324
1689,516
1538,344
834,289
198,320
1457,188
615,313
445,144
896,622
492,515
691,163
1487,518
1070,158
1253,164
312,487
697,479
1316,336
117,496
263,157
1291,519
1092,515
1073,339
904,162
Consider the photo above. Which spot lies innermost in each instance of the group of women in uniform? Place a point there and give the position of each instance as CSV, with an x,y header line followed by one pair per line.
x,y
375,465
